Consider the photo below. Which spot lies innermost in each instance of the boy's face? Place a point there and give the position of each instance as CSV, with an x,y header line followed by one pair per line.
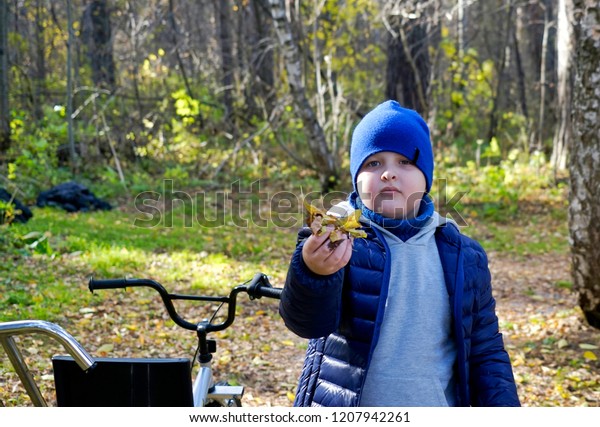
x,y
391,185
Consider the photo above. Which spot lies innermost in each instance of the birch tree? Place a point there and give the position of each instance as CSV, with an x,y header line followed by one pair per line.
x,y
565,48
323,159
584,163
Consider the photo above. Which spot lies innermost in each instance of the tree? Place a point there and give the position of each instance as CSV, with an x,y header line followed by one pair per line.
x,y
324,161
4,106
223,15
174,40
40,60
409,65
584,163
500,90
565,48
259,74
97,35
70,130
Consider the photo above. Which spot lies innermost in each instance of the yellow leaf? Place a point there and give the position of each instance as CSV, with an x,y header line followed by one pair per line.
x,y
289,343
258,361
335,235
317,219
358,233
352,220
589,355
291,396
105,349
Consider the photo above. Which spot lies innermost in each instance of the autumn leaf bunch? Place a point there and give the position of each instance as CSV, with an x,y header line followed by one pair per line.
x,y
318,220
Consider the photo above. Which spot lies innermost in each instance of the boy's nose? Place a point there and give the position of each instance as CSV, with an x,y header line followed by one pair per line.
x,y
388,175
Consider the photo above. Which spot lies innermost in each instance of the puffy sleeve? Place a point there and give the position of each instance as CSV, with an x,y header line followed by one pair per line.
x,y
310,303
492,379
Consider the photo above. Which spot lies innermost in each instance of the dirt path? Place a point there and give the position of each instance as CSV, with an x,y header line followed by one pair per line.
x,y
551,348
541,324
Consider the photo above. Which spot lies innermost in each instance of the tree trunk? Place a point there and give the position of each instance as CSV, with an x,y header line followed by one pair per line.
x,y
223,15
521,78
565,47
409,66
4,71
435,38
175,42
539,144
135,55
97,35
499,94
261,64
40,61
584,164
324,161
70,130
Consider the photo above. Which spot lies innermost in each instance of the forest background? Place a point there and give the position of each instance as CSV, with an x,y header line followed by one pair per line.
x,y
197,118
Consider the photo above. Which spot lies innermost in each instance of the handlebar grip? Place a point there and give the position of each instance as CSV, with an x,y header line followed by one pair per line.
x,y
269,292
260,286
107,284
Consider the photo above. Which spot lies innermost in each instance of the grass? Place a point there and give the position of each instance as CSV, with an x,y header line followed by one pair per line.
x,y
177,249
531,230
109,244
52,285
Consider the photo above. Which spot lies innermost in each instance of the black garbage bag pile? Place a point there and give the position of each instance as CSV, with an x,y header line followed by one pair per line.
x,y
25,213
72,197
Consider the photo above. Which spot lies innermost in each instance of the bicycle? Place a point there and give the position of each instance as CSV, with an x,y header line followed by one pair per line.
x,y
204,391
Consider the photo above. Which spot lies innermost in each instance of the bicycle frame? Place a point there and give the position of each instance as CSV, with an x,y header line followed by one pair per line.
x,y
204,389
25,327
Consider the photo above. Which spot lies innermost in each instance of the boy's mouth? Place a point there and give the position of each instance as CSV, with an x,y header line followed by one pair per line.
x,y
385,190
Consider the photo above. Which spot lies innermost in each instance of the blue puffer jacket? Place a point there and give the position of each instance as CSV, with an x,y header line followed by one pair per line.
x,y
342,314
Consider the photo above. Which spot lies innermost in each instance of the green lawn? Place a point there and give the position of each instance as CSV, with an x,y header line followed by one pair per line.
x,y
108,244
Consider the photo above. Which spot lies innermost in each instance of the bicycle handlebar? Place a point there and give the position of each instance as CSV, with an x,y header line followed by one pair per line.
x,y
256,288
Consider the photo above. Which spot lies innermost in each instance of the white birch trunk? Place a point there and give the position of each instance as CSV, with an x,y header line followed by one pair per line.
x,y
584,164
565,48
323,160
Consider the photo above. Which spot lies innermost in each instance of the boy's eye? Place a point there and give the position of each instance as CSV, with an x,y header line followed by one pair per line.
x,y
406,162
372,163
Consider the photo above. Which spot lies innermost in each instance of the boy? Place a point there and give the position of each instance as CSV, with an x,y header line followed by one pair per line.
x,y
404,317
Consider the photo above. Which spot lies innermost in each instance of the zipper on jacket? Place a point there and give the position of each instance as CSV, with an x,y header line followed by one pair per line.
x,y
380,310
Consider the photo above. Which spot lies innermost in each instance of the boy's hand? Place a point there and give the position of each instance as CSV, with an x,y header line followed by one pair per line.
x,y
321,258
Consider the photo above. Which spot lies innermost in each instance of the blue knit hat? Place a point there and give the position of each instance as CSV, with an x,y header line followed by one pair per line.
x,y
390,127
